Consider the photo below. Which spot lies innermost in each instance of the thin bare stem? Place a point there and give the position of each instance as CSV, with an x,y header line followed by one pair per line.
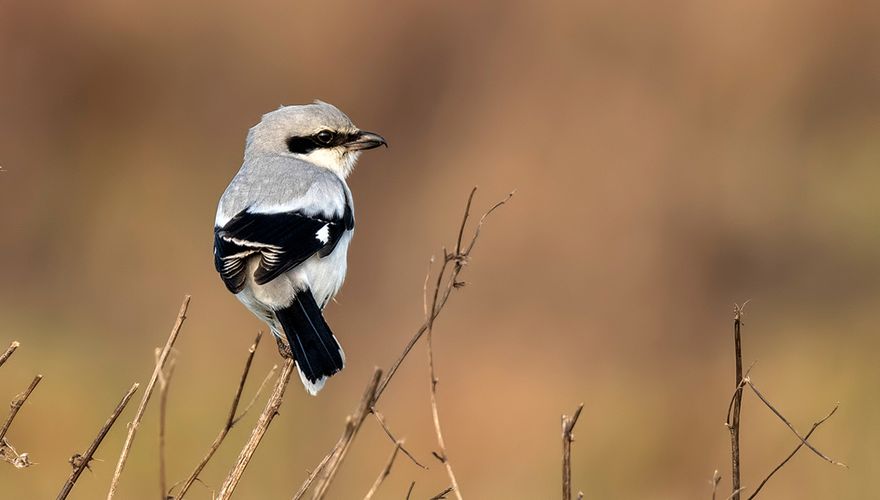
x,y
443,298
568,424
792,454
133,426
735,493
435,413
353,425
453,262
734,416
716,478
314,474
9,350
791,427
230,418
16,405
385,472
330,463
269,376
164,381
381,419
81,462
409,491
244,457
442,494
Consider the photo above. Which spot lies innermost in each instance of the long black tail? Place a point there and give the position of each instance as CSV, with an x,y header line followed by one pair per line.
x,y
317,353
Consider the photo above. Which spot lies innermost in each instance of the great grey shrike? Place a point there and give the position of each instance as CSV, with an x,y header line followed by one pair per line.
x,y
283,227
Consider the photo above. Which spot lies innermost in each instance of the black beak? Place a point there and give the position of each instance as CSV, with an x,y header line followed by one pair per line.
x,y
366,140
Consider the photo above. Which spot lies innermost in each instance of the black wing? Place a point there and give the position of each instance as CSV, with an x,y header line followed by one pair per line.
x,y
282,240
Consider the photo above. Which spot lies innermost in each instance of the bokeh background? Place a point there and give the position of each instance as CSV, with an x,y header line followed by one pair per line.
x,y
671,158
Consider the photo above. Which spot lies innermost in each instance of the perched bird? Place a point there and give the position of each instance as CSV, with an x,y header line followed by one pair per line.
x,y
284,224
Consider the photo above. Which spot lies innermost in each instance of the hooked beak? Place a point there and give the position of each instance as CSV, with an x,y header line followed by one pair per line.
x,y
366,140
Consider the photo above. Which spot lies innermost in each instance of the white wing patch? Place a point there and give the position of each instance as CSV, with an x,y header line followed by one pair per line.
x,y
323,234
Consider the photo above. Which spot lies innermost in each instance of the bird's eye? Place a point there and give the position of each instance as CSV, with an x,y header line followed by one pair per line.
x,y
325,136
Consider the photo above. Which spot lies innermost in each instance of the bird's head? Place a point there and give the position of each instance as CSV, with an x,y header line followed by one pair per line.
x,y
318,133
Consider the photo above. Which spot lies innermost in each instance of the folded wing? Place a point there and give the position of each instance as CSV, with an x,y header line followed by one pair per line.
x,y
281,240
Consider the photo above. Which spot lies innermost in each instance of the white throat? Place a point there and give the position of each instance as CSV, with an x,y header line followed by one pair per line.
x,y
338,160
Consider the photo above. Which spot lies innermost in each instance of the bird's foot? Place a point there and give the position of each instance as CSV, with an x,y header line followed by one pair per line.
x,y
283,348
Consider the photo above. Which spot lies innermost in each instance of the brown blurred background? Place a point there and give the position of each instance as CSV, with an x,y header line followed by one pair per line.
x,y
671,158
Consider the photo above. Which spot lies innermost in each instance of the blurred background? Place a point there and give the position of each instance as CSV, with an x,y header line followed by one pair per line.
x,y
671,159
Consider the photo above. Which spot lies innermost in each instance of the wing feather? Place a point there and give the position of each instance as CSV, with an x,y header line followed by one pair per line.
x,y
282,240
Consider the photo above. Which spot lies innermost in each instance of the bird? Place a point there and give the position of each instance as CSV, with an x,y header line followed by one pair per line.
x,y
284,224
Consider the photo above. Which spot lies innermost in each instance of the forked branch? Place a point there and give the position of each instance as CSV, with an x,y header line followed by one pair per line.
x,y
447,281
792,454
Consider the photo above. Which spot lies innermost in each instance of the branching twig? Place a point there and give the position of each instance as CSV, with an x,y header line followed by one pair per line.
x,y
81,462
788,424
734,415
244,457
790,455
454,263
16,405
461,260
435,413
352,426
733,420
133,426
9,350
231,418
568,424
330,463
385,471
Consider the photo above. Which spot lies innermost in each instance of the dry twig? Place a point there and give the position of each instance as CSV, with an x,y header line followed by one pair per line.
x,y
460,261
164,381
381,419
734,415
792,454
442,494
133,426
81,462
568,424
9,350
16,405
244,457
454,263
385,471
716,478
231,418
733,420
791,427
337,454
